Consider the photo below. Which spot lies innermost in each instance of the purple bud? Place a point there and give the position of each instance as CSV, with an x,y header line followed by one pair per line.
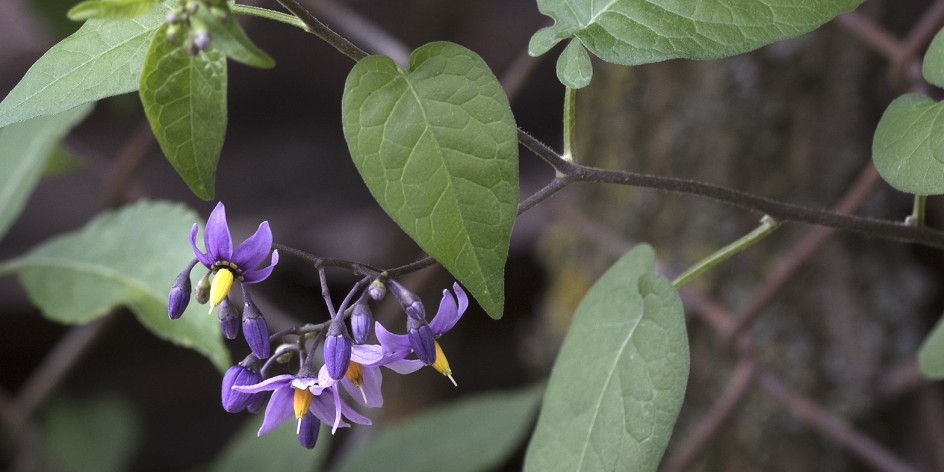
x,y
201,40
202,294
255,330
179,296
308,431
411,303
376,290
337,349
172,17
361,321
258,401
235,401
229,319
421,340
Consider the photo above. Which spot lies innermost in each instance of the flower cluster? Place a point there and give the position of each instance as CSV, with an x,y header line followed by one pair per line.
x,y
313,395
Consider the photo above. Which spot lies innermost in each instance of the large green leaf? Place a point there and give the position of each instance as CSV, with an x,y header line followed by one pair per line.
x,y
184,97
931,353
437,147
278,451
633,32
476,433
24,148
618,383
110,9
908,147
101,59
68,444
933,65
128,257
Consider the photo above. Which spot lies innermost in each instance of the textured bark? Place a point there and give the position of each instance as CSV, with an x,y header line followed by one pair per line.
x,y
792,121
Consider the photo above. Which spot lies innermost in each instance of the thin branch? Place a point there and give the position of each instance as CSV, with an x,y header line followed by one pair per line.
x,y
362,30
320,30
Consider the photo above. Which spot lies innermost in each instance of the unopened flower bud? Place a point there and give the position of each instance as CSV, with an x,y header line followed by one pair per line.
x,y
255,330
421,340
376,290
229,319
192,7
172,17
239,375
202,293
179,296
361,321
308,430
337,349
411,303
201,39
172,31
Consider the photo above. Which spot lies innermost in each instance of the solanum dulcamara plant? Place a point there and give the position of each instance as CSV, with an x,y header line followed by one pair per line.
x,y
436,145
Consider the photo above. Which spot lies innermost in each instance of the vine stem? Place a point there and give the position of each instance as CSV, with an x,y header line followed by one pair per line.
x,y
319,29
767,226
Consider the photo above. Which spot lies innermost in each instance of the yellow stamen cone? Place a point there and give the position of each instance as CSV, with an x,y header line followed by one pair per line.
x,y
356,375
302,402
222,282
442,364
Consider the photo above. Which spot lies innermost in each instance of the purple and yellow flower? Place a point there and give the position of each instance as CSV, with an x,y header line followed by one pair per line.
x,y
230,265
399,346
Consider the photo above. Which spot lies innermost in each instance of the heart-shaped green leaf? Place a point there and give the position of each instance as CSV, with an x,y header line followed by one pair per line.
x,y
184,98
110,9
437,147
129,257
933,66
908,147
619,380
101,59
633,32
24,149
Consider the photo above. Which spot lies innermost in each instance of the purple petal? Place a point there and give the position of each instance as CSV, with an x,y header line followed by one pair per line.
x,y
405,366
449,313
370,388
203,258
395,346
254,250
271,383
324,379
367,354
281,407
254,276
216,238
308,431
352,414
323,407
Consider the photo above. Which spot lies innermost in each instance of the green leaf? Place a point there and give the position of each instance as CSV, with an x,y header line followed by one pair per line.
x,y
437,147
101,59
24,148
128,257
67,444
116,9
619,381
634,32
933,66
477,433
184,98
278,451
908,147
230,39
931,353
573,66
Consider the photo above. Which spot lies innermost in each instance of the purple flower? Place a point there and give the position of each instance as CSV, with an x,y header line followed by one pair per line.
x,y
398,346
302,394
362,377
228,264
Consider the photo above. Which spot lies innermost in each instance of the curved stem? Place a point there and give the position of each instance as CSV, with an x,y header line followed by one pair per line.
x,y
767,226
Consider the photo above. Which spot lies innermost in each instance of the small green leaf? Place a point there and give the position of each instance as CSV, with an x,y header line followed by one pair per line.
x,y
931,353
619,380
68,444
476,433
634,32
184,98
437,147
574,69
228,36
278,451
114,9
129,257
24,148
933,66
908,147
101,59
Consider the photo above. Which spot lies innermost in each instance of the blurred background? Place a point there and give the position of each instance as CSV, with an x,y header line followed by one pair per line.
x,y
802,347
